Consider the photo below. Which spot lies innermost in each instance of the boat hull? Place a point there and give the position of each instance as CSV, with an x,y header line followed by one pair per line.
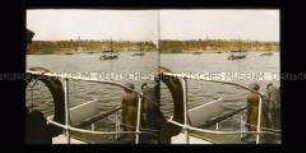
x,y
108,57
200,115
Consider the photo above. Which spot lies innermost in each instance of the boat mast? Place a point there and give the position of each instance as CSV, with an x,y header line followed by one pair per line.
x,y
140,47
111,45
158,30
79,39
239,43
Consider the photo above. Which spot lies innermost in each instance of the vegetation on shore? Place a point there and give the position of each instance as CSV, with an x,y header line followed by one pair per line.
x,y
58,47
166,46
175,46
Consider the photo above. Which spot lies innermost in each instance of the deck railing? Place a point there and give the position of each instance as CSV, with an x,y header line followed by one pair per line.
x,y
185,126
67,125
188,127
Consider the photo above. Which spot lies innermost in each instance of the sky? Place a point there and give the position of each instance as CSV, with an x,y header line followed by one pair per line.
x,y
92,24
61,24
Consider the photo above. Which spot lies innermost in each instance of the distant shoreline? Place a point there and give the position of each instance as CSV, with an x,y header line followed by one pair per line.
x,y
211,52
166,46
183,52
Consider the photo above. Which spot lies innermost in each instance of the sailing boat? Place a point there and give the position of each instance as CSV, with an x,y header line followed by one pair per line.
x,y
237,54
140,53
198,52
70,52
266,54
109,54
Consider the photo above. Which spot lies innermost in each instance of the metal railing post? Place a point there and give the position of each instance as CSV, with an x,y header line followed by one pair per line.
x,y
67,118
241,124
138,119
117,124
93,126
258,130
217,126
32,99
185,110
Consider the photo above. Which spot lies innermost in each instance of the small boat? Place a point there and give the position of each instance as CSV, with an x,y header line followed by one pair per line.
x,y
68,53
266,54
197,53
200,50
109,54
202,114
237,54
91,52
140,53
